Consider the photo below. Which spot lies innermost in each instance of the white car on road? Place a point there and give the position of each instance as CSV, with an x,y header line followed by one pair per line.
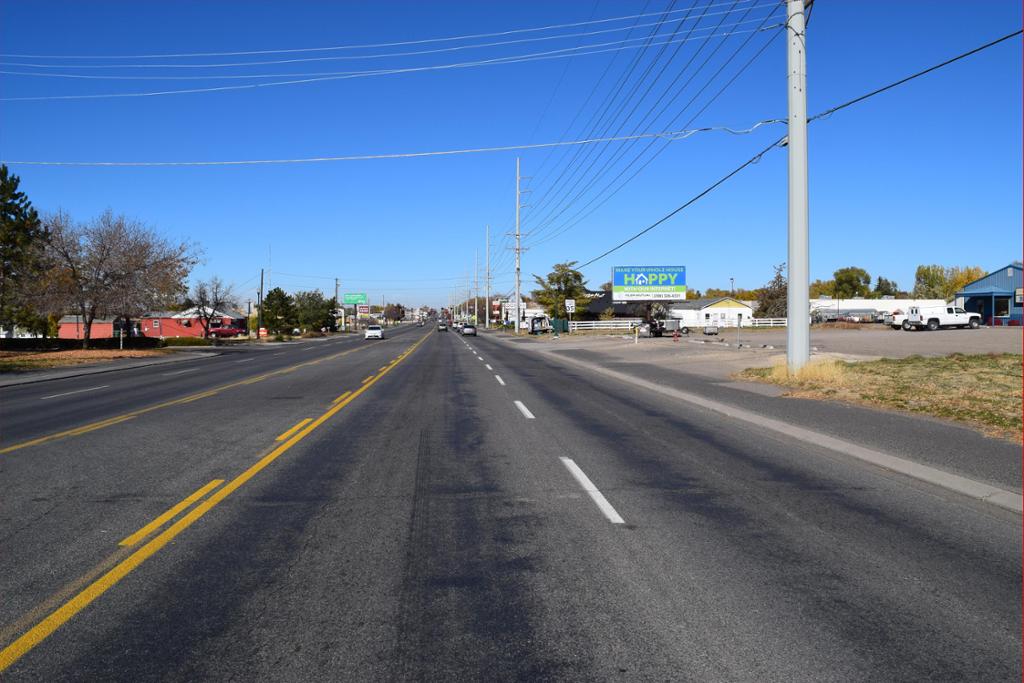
x,y
374,332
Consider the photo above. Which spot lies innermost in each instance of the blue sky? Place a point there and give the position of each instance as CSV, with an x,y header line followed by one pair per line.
x,y
927,173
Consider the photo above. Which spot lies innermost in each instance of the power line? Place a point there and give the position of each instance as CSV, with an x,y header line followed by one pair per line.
x,y
333,58
605,197
349,47
598,117
515,59
780,142
670,135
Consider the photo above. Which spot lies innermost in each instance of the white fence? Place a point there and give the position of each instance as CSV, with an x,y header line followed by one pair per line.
x,y
767,322
616,324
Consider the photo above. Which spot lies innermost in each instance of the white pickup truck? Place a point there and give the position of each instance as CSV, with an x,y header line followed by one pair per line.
x,y
934,317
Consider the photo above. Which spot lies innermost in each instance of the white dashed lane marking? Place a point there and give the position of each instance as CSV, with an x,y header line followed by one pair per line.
x,y
523,409
595,494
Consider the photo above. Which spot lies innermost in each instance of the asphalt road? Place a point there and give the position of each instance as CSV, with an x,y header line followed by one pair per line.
x,y
469,511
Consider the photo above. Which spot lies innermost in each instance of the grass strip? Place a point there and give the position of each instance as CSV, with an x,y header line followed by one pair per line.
x,y
983,390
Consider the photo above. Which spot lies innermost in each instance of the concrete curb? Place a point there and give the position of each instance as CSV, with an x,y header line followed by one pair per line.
x,y
1009,500
94,370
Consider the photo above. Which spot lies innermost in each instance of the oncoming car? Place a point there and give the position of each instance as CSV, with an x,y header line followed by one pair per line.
x,y
374,332
442,326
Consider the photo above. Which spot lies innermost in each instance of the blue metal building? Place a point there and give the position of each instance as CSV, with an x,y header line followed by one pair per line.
x,y
998,296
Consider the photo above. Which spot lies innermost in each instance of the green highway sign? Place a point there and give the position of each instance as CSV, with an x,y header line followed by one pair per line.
x,y
354,298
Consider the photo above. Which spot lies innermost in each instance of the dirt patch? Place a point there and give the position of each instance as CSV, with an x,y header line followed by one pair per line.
x,y
22,361
983,391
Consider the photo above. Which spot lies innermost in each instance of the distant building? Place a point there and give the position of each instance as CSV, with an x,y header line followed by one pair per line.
x,y
998,296
187,323
156,324
723,311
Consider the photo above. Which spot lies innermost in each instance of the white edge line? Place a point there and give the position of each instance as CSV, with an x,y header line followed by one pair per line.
x,y
500,380
244,360
524,410
1010,500
79,391
588,486
488,366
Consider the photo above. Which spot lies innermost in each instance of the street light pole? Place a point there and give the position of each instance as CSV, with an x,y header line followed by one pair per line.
x,y
798,300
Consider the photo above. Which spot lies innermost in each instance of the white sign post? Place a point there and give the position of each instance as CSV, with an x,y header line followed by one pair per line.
x,y
570,308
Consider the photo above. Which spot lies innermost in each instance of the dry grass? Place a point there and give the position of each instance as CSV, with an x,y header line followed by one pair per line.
x,y
983,391
21,361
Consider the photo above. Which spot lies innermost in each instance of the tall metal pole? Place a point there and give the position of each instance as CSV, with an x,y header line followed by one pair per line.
x,y
798,295
487,279
518,314
337,305
259,315
476,287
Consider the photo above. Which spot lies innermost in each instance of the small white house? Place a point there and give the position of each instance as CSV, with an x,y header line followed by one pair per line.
x,y
719,312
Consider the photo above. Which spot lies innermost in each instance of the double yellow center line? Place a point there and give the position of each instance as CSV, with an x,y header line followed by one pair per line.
x,y
166,404
42,630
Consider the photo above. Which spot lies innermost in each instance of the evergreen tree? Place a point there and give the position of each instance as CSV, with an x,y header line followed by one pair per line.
x,y
279,311
22,238
773,296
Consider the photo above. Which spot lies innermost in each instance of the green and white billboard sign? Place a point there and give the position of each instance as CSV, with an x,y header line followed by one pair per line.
x,y
648,283
354,298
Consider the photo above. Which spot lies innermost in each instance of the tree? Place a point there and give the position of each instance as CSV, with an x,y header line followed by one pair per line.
x,y
278,311
211,298
606,286
150,270
851,282
957,278
397,311
313,311
884,287
930,282
773,297
111,265
564,282
22,240
821,288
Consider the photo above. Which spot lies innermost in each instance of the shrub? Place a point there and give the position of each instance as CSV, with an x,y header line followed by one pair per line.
x,y
186,341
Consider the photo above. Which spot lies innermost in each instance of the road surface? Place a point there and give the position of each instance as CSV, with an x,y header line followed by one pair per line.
x,y
431,507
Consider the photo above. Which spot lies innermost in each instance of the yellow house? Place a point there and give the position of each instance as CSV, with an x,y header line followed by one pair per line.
x,y
722,311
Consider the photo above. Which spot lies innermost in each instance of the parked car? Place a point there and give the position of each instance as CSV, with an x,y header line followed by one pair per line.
x,y
934,317
468,330
442,326
374,332
226,332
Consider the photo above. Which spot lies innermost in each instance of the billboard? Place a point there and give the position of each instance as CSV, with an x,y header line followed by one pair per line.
x,y
648,283
353,298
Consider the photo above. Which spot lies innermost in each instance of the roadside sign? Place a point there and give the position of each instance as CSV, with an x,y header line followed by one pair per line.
x,y
363,309
648,283
354,298
570,305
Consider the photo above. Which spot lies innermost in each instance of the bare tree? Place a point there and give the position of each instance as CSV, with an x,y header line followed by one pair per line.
x,y
112,265
211,297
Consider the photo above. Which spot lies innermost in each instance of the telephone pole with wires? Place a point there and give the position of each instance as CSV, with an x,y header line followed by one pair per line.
x,y
476,287
518,248
798,331
487,278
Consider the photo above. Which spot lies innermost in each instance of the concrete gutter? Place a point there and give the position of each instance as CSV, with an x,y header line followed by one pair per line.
x,y
33,377
1009,500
